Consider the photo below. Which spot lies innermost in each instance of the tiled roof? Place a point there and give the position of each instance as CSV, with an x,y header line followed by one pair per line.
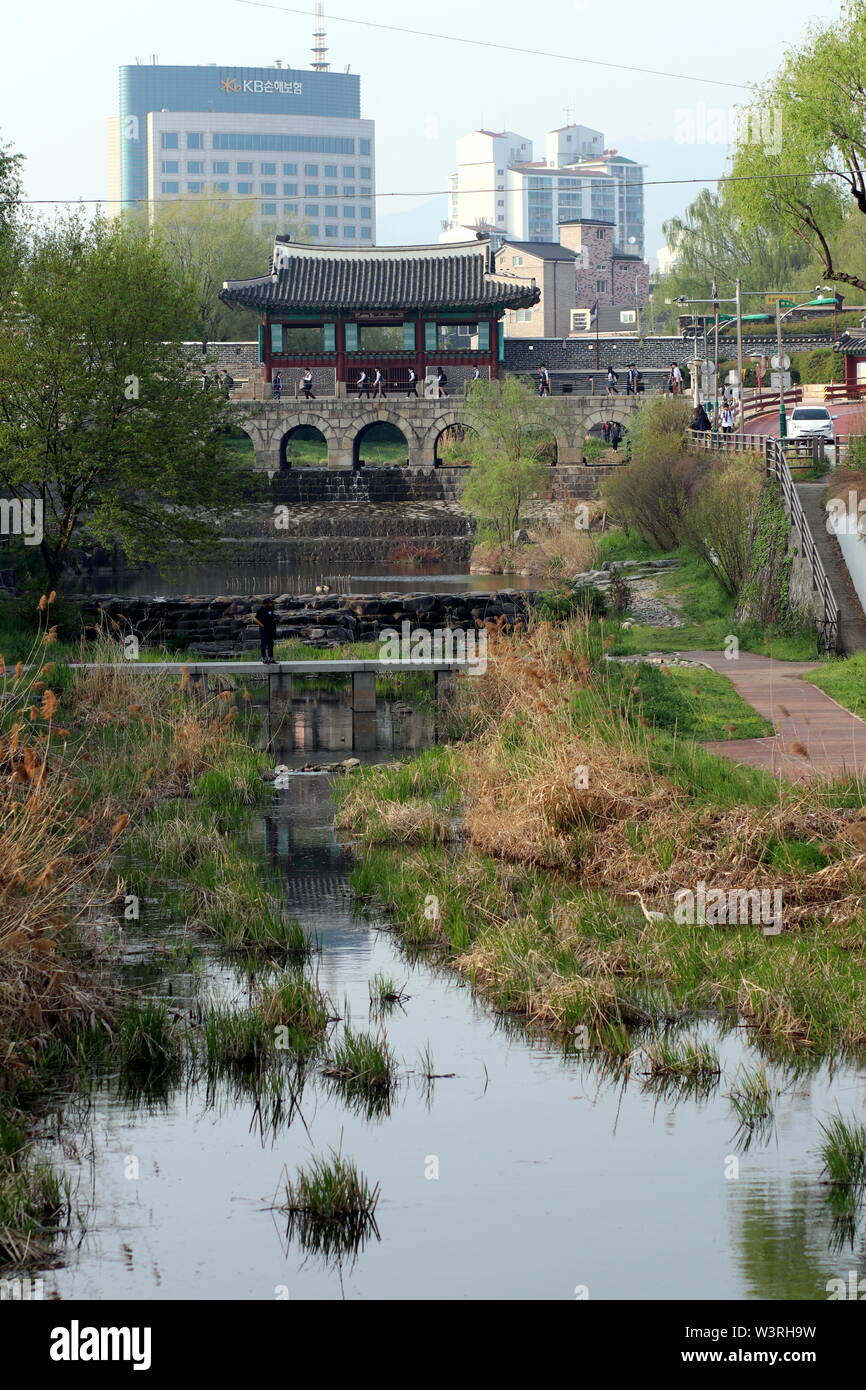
x,y
394,277
851,345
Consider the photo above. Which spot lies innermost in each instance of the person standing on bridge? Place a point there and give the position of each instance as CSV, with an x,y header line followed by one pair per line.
x,y
277,386
631,380
727,420
612,379
675,380
363,385
441,382
379,385
307,386
265,619
412,387
543,381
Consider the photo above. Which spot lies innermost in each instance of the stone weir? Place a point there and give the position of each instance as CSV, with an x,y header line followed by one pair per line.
x,y
223,627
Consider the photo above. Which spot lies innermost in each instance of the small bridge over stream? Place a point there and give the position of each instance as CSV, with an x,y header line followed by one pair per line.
x,y
344,422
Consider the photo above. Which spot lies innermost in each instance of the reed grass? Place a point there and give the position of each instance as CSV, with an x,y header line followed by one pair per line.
x,y
843,1152
331,1206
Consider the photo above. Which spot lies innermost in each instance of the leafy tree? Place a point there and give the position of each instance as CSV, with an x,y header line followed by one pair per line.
x,y
10,188
509,426
652,493
214,239
803,183
102,423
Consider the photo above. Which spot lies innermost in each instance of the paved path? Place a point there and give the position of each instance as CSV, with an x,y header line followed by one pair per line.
x,y
815,737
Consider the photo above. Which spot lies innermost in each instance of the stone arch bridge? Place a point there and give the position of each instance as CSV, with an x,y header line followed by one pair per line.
x,y
344,422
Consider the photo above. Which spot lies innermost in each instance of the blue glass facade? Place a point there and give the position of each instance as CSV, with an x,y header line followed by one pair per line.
x,y
229,90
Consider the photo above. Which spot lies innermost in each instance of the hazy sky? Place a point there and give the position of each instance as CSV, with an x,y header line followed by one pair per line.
x,y
60,80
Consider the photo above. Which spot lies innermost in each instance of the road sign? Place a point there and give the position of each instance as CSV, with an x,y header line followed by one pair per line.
x,y
779,299
707,368
777,362
780,381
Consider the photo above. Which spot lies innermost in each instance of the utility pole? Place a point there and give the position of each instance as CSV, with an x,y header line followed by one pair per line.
x,y
783,422
740,382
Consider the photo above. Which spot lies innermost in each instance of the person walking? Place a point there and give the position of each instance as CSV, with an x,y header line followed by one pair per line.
x,y
277,386
543,381
615,435
228,383
265,619
307,386
605,431
612,379
363,384
631,380
727,420
441,382
412,388
675,380
379,385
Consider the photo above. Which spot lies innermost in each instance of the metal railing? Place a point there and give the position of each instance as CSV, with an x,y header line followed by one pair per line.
x,y
776,462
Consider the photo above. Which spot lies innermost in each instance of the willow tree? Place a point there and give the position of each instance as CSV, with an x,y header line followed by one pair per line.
x,y
800,164
105,431
509,434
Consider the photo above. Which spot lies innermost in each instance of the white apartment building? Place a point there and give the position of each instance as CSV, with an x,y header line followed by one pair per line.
x,y
501,189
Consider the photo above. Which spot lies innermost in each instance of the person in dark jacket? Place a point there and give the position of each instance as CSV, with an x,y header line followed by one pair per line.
x,y
363,384
307,385
412,386
605,431
265,619
700,419
615,435
277,386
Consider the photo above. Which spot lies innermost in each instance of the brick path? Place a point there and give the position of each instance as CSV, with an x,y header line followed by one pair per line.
x,y
814,737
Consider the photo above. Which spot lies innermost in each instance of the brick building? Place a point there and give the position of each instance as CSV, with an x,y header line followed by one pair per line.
x,y
581,276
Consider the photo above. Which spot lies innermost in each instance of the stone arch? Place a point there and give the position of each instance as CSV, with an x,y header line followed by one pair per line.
x,y
438,432
303,421
399,433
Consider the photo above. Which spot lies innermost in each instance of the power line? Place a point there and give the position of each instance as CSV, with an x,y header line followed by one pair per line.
x,y
489,43
170,200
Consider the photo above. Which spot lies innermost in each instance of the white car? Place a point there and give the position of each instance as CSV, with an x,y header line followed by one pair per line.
x,y
811,422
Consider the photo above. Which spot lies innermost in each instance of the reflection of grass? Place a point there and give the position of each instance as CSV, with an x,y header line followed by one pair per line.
x,y
331,1207
844,1151
33,1198
752,1099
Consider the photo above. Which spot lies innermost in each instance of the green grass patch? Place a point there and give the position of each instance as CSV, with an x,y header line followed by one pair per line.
x,y
845,682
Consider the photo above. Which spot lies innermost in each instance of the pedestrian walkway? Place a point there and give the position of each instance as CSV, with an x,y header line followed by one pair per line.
x,y
815,737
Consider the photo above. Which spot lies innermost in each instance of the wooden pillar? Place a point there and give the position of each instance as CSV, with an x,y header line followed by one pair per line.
x,y
420,351
364,692
340,359
363,731
495,330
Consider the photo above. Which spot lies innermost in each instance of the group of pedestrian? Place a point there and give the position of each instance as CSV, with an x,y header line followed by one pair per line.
x,y
723,417
371,383
611,433
220,380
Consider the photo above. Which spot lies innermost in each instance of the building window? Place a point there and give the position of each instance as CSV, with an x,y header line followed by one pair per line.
x,y
269,189
348,212
245,188
311,171
313,229
222,186
196,186
349,231
599,233
348,171
295,144
367,232
332,231
194,140
290,209
311,190
367,213
364,147
171,187
523,315
269,167
331,210
290,169
311,210
348,190
366,190
500,202
220,166
170,166
245,166
169,140
365,173
601,286
195,166
517,260
330,171
331,190
269,209
290,190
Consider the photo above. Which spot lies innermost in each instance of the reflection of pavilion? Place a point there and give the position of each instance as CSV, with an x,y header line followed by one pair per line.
x,y
338,312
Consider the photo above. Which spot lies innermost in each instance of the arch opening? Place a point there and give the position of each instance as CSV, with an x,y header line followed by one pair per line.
x,y
305,446
240,446
454,446
544,445
380,444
